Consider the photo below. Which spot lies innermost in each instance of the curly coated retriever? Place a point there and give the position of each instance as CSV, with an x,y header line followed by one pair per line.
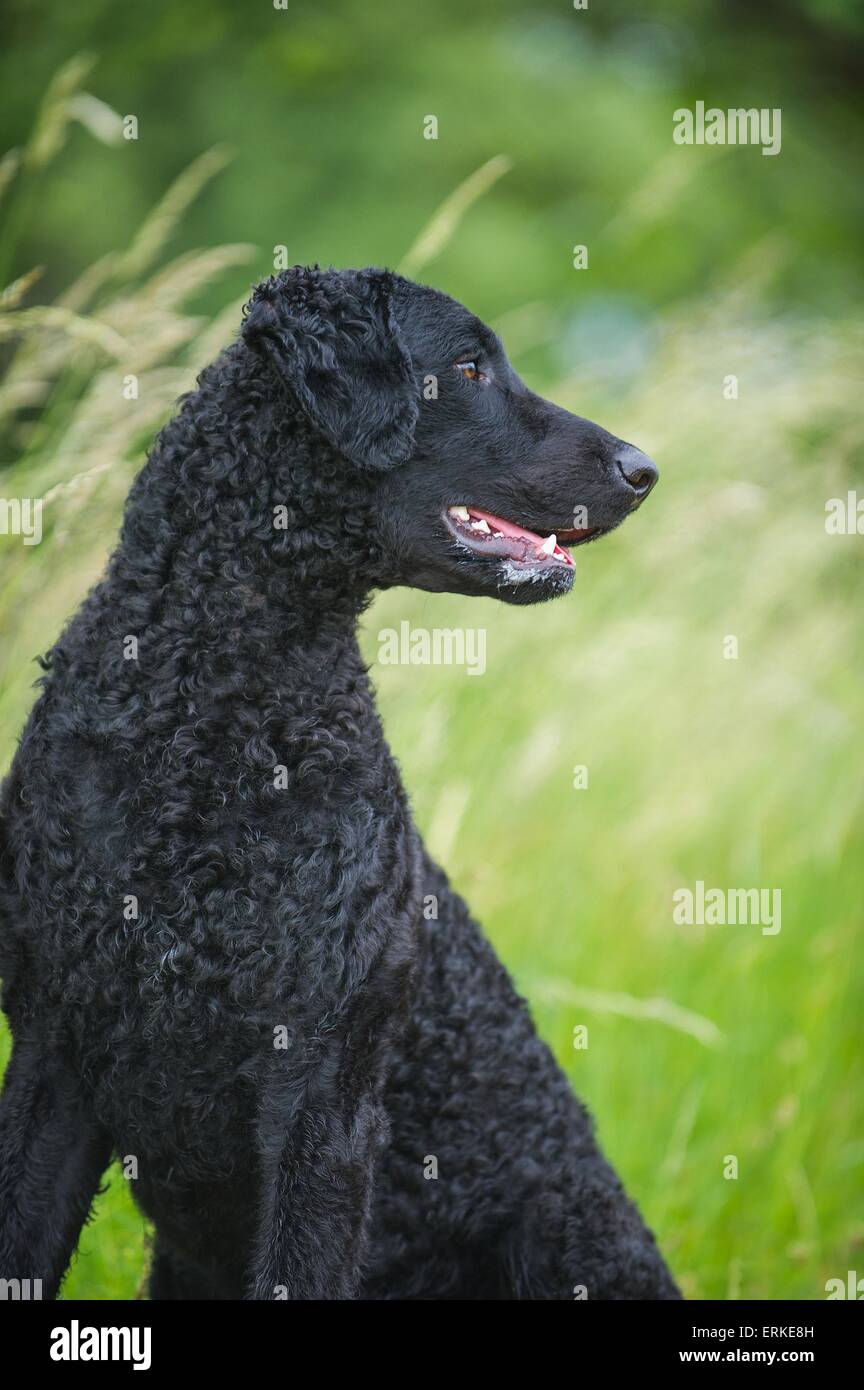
x,y
215,957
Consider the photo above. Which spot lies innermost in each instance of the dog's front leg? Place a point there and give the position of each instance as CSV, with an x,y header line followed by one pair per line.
x,y
52,1156
317,1188
319,1138
321,1128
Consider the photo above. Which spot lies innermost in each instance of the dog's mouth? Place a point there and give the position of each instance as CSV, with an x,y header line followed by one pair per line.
x,y
494,537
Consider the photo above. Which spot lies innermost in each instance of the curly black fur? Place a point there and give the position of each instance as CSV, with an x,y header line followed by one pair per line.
x,y
214,956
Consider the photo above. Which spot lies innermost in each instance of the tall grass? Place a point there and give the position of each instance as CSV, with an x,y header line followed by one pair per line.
x,y
703,1043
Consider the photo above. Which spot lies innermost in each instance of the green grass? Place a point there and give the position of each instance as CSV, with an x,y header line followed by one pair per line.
x,y
737,772
703,1043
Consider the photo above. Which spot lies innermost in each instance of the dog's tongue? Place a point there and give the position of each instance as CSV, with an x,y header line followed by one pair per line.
x,y
520,533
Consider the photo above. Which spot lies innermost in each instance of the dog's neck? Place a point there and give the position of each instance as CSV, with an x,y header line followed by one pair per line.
x,y
222,593
242,504
230,624
223,654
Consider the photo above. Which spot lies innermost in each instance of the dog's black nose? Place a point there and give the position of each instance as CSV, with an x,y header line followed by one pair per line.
x,y
638,471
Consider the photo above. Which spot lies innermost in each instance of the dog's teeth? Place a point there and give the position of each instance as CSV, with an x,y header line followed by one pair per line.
x,y
460,512
548,546
499,535
482,525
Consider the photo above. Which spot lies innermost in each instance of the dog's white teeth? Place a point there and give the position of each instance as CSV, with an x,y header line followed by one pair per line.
x,y
548,546
482,525
499,535
461,513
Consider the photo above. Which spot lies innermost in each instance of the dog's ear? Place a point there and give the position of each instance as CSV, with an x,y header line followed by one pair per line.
x,y
333,339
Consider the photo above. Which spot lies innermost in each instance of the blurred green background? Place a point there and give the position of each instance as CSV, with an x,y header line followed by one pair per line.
x,y
303,128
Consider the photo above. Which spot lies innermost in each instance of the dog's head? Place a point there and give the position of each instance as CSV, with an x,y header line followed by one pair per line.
x,y
472,483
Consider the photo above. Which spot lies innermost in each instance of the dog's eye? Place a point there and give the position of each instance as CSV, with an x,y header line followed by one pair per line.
x,y
471,370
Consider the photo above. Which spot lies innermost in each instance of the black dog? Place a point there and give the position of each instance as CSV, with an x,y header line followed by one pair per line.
x,y
215,956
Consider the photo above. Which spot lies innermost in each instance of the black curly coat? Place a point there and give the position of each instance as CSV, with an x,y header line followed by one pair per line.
x,y
216,962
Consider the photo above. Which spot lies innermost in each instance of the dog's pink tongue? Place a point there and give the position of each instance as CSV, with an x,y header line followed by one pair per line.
x,y
507,528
